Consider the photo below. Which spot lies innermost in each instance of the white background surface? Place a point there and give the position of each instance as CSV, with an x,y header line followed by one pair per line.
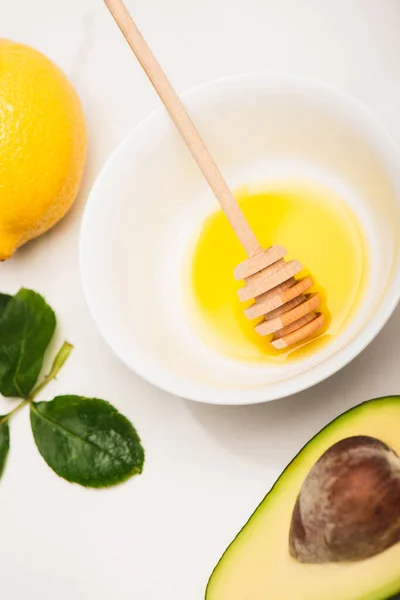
x,y
207,467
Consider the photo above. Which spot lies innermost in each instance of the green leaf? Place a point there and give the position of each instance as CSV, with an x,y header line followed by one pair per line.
x,y
4,298
27,325
86,440
4,444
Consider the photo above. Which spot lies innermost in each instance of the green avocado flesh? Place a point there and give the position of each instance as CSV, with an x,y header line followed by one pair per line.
x,y
258,566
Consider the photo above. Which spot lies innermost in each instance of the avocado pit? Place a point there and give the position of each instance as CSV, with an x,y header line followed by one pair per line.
x,y
348,508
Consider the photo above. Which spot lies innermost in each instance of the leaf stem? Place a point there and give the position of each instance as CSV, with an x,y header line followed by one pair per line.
x,y
13,412
57,365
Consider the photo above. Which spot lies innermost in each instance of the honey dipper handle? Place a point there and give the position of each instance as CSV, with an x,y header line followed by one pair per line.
x,y
185,125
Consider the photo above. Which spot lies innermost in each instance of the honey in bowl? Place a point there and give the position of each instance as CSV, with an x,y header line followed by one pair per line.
x,y
316,227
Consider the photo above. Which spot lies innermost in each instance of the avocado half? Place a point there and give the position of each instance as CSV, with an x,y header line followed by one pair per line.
x,y
258,565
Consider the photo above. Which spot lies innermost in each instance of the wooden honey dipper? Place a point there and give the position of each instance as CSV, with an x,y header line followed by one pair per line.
x,y
288,315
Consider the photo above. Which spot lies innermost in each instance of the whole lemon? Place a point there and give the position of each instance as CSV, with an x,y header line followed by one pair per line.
x,y
42,145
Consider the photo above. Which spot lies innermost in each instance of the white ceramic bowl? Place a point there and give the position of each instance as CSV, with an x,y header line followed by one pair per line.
x,y
150,200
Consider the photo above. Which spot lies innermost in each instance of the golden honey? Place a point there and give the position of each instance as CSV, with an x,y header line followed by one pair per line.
x,y
316,227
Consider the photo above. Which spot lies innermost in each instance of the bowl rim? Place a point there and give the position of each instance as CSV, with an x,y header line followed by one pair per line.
x,y
248,395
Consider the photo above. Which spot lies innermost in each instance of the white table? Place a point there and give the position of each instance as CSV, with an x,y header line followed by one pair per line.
x,y
207,467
